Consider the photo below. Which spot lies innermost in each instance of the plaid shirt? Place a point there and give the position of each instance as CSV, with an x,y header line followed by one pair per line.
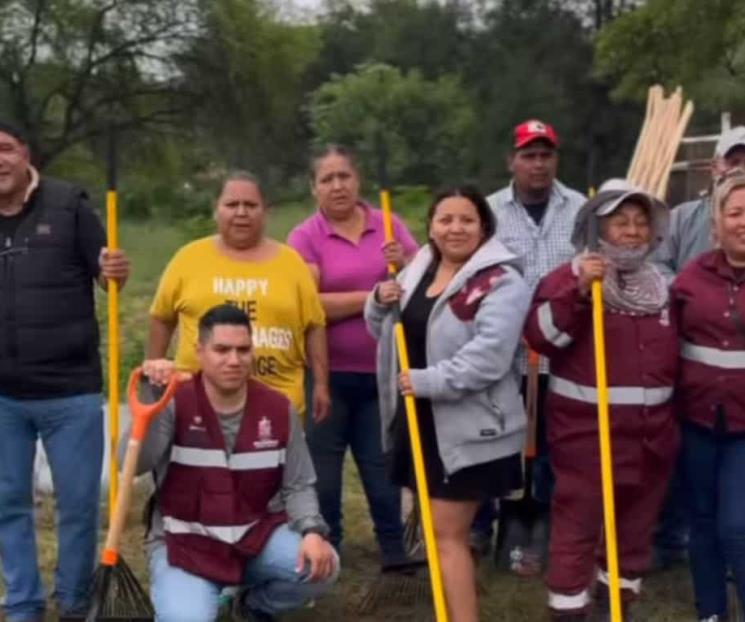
x,y
543,247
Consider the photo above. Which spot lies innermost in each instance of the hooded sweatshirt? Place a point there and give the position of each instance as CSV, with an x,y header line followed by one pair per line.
x,y
472,335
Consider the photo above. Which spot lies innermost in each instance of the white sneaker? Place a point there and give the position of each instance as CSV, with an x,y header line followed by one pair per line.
x,y
710,619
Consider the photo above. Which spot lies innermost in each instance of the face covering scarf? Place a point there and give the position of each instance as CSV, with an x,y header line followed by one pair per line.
x,y
632,284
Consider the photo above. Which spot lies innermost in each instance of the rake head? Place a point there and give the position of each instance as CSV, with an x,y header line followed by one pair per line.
x,y
117,596
407,588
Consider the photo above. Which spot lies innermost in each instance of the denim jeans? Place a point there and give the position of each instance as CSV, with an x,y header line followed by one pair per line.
x,y
275,585
714,467
354,422
71,429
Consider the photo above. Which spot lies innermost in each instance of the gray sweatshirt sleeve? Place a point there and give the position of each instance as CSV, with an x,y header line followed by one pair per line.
x,y
374,315
489,354
298,483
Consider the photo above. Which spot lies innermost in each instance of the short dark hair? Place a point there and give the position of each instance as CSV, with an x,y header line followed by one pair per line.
x,y
473,194
15,132
331,149
220,315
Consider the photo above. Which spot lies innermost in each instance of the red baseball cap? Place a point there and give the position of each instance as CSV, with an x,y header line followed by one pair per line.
x,y
531,130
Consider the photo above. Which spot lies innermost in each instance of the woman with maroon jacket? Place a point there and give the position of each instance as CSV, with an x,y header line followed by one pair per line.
x,y
642,360
708,303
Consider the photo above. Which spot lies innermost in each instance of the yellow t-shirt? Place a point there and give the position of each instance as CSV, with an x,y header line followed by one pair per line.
x,y
279,295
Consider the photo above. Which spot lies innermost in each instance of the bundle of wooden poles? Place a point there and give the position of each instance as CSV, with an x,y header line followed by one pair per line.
x,y
664,125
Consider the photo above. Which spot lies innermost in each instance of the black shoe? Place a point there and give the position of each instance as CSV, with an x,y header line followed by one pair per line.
x,y
243,613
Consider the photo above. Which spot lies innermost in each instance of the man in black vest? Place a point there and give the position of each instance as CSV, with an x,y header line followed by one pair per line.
x,y
52,249
235,503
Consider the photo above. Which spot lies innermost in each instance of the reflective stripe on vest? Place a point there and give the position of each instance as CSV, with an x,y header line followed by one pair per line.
x,y
229,534
244,461
618,396
546,323
725,359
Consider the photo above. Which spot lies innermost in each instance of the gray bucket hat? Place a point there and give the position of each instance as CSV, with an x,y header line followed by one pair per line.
x,y
611,195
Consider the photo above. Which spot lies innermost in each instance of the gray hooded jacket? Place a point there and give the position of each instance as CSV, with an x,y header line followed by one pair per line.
x,y
472,336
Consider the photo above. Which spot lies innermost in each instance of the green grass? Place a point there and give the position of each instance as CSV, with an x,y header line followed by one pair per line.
x,y
667,596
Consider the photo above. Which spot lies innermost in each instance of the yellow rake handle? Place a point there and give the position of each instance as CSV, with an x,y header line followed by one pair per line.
x,y
606,462
430,542
112,235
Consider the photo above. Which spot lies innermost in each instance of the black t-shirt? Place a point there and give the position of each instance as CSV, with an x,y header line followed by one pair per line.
x,y
8,226
536,211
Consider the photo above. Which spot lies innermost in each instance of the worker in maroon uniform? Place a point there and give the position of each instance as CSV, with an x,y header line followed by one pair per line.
x,y
708,302
235,503
642,350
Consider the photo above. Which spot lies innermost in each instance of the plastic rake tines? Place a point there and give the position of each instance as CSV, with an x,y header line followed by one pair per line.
x,y
118,596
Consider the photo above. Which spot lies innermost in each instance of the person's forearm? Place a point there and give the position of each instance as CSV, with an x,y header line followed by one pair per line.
x,y
159,338
341,305
318,357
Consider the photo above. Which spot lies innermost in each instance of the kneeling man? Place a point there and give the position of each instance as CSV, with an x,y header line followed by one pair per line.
x,y
235,502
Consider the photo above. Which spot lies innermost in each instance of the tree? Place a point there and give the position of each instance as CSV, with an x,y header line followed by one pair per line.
x,y
698,45
533,59
69,69
246,72
425,125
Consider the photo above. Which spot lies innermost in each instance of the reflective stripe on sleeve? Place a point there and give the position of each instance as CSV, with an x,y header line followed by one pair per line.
x,y
549,329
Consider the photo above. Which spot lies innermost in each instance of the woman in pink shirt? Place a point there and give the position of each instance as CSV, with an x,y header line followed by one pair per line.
x,y
344,245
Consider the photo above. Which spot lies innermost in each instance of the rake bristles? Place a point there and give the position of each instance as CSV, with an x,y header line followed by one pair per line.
x,y
118,596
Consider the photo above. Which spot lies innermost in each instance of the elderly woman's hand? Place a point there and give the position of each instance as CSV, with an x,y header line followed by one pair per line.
x,y
591,267
393,253
388,293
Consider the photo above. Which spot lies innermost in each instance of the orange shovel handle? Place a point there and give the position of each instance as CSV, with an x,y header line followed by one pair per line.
x,y
143,414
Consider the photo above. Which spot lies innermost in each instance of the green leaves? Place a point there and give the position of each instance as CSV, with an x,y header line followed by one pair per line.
x,y
426,125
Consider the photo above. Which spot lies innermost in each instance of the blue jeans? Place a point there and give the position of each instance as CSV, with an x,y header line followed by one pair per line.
x,y
715,471
354,422
275,585
71,429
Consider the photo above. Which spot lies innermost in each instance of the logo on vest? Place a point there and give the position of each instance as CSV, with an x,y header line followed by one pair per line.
x,y
264,433
196,424
43,229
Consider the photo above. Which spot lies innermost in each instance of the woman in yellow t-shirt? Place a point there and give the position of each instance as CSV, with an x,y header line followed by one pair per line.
x,y
268,280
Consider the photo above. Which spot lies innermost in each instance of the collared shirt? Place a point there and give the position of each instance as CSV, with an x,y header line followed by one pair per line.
x,y
543,247
689,236
346,266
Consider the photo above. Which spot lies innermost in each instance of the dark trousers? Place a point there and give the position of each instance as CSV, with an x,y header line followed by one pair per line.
x,y
714,468
354,422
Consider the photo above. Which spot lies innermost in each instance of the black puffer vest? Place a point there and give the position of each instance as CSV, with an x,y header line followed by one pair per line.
x,y
48,329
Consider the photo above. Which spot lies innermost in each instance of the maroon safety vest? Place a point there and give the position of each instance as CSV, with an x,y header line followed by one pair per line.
x,y
214,508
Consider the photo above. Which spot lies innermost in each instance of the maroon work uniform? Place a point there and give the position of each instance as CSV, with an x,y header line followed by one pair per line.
x,y
214,504
706,298
641,356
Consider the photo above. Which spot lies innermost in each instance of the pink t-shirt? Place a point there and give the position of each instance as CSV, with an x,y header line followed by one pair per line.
x,y
345,266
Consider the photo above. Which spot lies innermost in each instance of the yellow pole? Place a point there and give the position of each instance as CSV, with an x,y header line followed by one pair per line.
x,y
435,573
606,460
113,313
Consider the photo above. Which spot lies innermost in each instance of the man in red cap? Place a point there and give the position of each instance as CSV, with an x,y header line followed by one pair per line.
x,y
535,217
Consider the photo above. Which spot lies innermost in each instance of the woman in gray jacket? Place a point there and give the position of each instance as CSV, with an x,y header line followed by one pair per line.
x,y
463,305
